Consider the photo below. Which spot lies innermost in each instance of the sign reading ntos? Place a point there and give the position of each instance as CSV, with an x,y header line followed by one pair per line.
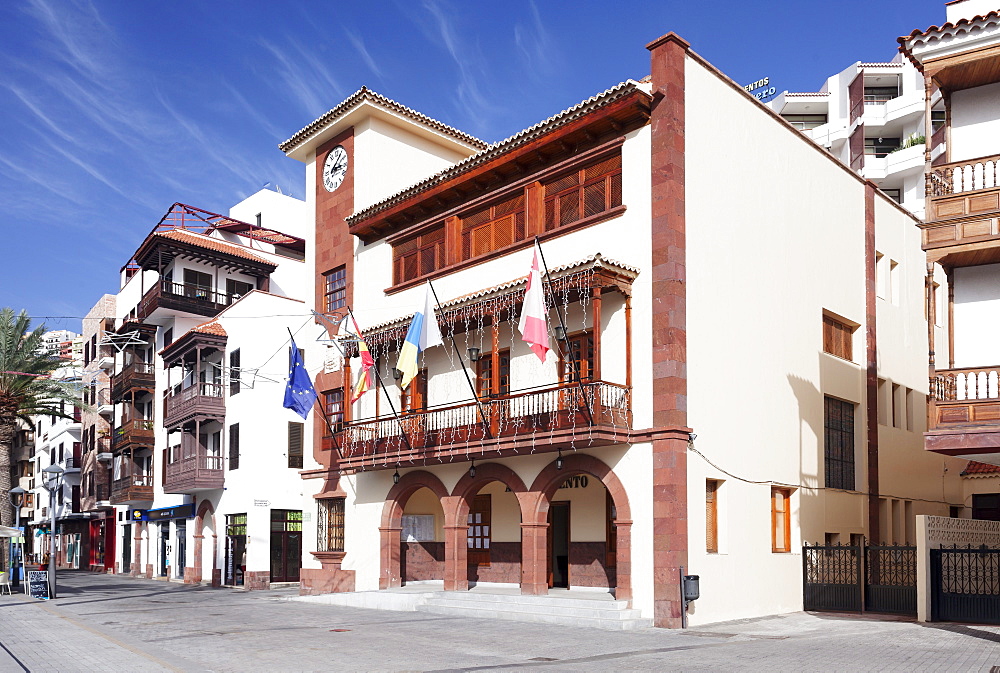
x,y
760,89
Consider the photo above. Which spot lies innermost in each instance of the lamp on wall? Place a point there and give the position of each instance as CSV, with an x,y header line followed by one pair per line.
x,y
559,460
474,354
395,476
472,469
560,332
397,374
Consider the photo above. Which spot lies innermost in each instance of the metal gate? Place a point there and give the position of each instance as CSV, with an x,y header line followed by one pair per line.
x,y
965,585
851,578
891,579
831,578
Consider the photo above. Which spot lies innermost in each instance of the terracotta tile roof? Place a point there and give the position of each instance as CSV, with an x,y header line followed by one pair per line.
x,y
977,468
209,243
496,149
210,327
366,94
961,23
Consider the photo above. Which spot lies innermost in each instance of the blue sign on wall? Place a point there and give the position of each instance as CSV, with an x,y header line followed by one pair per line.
x,y
163,513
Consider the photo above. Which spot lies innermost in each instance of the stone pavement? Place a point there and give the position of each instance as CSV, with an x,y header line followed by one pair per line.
x,y
112,623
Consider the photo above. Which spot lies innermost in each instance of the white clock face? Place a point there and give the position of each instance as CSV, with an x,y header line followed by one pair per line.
x,y
335,168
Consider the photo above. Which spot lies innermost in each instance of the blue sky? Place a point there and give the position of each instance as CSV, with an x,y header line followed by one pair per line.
x,y
113,111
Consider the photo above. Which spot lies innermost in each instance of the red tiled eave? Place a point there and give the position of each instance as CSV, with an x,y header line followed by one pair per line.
x,y
975,467
948,26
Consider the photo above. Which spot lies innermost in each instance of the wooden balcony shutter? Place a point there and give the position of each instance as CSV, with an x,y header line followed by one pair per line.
x,y
837,338
295,431
419,256
711,516
234,446
584,193
493,228
234,374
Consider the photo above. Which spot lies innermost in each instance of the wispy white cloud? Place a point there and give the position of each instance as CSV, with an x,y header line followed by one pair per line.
x,y
303,74
78,33
92,171
468,60
359,45
537,48
253,112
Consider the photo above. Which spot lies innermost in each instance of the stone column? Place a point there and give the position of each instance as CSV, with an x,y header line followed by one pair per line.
x,y
456,553
534,559
390,572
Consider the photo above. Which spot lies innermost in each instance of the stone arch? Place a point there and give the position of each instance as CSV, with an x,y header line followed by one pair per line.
x,y
456,517
544,488
390,574
197,572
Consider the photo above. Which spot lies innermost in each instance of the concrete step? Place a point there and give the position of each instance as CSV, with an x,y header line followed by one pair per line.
x,y
605,614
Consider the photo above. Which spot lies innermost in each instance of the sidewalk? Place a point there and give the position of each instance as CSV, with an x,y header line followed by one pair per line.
x,y
113,623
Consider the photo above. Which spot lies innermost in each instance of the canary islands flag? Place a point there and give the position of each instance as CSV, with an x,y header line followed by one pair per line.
x,y
423,334
299,393
367,378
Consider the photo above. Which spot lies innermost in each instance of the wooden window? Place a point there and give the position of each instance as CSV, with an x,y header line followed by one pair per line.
x,y
197,284
478,538
712,516
237,288
837,338
484,374
295,431
330,524
493,228
781,520
234,446
234,372
418,256
414,398
335,289
986,506
838,450
583,193
580,364
611,534
333,405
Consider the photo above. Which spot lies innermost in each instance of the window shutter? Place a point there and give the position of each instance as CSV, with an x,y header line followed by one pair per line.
x,y
295,431
234,376
584,193
711,516
234,446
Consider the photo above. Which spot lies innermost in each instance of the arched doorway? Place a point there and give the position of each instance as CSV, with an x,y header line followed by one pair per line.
x,y
486,524
555,491
422,537
390,572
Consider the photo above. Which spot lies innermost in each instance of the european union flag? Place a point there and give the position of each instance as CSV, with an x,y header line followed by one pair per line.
x,y
299,393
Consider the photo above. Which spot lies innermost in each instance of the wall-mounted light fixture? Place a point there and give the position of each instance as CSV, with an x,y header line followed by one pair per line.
x,y
474,354
560,333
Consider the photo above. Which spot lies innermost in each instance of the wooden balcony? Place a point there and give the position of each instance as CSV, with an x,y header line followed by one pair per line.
x,y
136,376
963,411
561,416
132,489
190,468
963,204
133,434
178,297
202,400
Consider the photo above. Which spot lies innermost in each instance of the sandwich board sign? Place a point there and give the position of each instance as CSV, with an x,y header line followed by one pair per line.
x,y
38,583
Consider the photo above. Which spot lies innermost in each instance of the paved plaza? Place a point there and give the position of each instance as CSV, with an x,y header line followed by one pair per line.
x,y
110,623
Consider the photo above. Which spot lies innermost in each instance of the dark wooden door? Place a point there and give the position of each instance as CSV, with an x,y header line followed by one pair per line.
x,y
558,545
286,545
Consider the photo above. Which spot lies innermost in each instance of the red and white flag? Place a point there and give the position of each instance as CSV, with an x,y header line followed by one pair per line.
x,y
534,323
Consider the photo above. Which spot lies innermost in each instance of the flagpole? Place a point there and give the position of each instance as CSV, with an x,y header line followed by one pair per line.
x,y
392,407
562,323
475,395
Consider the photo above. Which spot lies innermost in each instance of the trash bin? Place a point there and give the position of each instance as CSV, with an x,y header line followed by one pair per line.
x,y
692,587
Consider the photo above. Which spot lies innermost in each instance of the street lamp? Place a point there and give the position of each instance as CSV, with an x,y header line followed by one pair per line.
x,y
53,481
16,496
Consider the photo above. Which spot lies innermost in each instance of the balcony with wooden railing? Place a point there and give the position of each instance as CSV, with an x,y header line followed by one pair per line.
x,y
134,433
135,376
561,416
191,467
131,488
184,298
963,189
963,411
201,400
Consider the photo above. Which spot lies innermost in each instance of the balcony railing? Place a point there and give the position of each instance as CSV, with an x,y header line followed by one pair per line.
x,y
200,399
962,176
191,467
967,396
138,432
552,416
136,375
196,299
131,489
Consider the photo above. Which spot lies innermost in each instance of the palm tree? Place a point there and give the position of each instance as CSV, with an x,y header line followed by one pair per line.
x,y
25,390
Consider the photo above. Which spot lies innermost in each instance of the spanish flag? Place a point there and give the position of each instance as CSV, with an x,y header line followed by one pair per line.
x,y
367,378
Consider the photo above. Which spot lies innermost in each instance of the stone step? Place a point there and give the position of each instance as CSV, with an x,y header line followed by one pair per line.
x,y
567,609
575,601
542,614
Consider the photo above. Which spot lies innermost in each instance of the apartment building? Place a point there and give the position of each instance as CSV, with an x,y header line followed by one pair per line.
x,y
751,380
204,460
